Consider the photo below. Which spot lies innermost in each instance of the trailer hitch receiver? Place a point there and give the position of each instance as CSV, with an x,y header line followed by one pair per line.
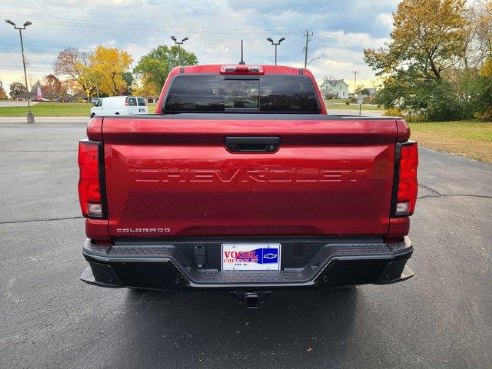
x,y
251,299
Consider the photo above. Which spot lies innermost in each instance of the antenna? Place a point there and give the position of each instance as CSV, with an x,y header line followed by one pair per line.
x,y
242,60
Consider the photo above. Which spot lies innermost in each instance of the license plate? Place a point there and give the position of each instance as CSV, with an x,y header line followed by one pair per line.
x,y
251,256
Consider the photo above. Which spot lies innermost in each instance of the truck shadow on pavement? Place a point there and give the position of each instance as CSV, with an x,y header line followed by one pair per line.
x,y
298,329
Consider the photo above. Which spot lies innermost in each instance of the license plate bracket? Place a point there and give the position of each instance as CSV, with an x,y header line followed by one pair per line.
x,y
251,256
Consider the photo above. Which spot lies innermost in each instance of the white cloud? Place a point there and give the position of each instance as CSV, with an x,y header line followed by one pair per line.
x,y
341,31
385,20
351,40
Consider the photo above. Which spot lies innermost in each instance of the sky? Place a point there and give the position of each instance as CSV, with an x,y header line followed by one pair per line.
x,y
340,32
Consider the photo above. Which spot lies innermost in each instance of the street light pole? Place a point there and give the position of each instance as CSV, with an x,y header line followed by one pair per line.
x,y
275,44
30,115
179,43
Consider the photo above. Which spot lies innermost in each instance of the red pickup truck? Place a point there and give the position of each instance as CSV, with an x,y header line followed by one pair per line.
x,y
241,181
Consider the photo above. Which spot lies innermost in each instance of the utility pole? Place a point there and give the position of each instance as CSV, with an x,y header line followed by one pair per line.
x,y
355,80
30,115
307,35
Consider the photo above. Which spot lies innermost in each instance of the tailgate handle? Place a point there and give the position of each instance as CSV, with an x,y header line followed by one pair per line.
x,y
252,144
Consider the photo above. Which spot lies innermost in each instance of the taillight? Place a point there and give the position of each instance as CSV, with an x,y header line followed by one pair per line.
x,y
91,200
241,69
406,194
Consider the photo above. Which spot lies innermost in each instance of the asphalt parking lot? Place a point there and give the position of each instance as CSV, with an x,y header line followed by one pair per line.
x,y
441,318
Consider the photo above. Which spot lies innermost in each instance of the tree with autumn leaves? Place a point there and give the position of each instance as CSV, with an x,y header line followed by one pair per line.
x,y
51,87
3,94
436,63
106,71
102,70
107,66
74,65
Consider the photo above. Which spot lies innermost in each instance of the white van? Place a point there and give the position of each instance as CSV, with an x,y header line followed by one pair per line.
x,y
119,105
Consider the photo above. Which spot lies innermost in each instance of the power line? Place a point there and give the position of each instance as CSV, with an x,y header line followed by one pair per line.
x,y
342,37
147,28
342,70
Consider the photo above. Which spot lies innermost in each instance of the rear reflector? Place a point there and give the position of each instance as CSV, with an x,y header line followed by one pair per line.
x,y
94,210
407,180
89,186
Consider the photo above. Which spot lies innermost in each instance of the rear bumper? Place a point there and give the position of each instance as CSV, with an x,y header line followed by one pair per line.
x,y
315,263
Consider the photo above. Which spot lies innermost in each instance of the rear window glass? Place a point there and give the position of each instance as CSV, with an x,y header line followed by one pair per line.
x,y
141,101
216,93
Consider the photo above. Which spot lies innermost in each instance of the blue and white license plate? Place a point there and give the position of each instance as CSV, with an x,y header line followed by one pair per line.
x,y
251,256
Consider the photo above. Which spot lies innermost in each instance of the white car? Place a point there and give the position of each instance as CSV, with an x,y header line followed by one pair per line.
x,y
120,105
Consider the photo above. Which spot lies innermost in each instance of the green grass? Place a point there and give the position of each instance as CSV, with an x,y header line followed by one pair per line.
x,y
49,109
335,104
52,109
468,138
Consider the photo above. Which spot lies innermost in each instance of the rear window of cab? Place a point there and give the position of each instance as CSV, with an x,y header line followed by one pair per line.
x,y
218,93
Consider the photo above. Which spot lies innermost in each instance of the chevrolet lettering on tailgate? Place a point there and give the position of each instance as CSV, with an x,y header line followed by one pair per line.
x,y
287,175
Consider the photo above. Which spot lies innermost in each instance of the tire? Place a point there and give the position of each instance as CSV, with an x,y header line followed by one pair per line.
x,y
116,113
93,115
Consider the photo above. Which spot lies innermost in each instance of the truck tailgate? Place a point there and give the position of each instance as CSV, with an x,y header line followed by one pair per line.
x,y
173,176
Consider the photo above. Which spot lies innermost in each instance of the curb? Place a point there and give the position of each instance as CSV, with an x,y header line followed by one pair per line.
x,y
38,120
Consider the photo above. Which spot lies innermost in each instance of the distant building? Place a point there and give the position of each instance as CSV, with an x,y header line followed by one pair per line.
x,y
23,96
336,87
